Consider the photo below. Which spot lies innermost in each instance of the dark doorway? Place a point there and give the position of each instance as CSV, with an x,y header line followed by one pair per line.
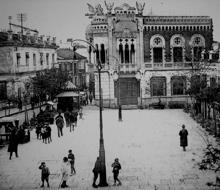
x,y
129,90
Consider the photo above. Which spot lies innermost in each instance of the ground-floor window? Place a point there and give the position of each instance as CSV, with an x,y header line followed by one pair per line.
x,y
3,90
178,85
158,86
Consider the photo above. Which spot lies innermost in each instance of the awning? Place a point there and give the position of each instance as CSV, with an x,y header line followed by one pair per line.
x,y
50,103
67,94
8,119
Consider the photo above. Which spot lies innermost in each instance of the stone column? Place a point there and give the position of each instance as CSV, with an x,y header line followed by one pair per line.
x,y
141,42
219,55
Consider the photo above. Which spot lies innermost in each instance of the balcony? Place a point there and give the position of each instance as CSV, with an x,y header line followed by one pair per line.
x,y
169,65
128,68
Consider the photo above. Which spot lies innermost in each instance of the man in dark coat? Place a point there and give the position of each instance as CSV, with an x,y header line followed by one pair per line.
x,y
13,143
183,137
96,171
59,122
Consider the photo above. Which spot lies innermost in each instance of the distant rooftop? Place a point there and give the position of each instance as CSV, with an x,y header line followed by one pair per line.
x,y
9,38
68,54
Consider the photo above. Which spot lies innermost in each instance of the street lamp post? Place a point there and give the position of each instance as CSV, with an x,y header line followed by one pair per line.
x,y
119,96
102,177
119,92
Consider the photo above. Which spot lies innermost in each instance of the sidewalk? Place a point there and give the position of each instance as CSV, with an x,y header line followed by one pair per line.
x,y
14,111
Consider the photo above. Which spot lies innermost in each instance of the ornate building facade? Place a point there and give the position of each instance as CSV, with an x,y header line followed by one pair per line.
x,y
146,58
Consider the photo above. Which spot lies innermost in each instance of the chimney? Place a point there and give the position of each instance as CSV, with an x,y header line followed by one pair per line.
x,y
41,39
10,35
35,38
48,40
54,40
28,35
19,36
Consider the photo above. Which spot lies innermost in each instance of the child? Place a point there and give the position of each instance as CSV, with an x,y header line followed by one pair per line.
x,y
71,158
80,113
116,167
45,172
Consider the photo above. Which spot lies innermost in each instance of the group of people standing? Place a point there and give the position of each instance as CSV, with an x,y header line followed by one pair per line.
x,y
70,118
43,131
67,169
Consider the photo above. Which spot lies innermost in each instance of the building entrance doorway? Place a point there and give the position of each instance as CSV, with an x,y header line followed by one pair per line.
x,y
128,90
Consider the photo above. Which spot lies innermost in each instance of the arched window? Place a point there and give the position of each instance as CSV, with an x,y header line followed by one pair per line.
x,y
198,46
102,52
158,86
177,43
121,53
177,50
178,85
158,51
126,53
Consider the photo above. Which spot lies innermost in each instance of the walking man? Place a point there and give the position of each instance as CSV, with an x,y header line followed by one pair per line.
x,y
67,117
96,171
90,98
183,137
45,172
116,167
59,122
71,158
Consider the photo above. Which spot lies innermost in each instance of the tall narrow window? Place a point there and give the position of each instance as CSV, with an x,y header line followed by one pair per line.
x,y
34,59
3,90
27,58
41,58
102,53
132,54
53,58
97,52
47,58
126,53
18,57
121,53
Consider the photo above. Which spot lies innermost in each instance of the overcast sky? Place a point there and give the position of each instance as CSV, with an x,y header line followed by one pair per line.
x,y
66,18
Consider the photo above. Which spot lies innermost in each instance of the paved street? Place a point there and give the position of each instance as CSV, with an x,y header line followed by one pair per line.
x,y
146,143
